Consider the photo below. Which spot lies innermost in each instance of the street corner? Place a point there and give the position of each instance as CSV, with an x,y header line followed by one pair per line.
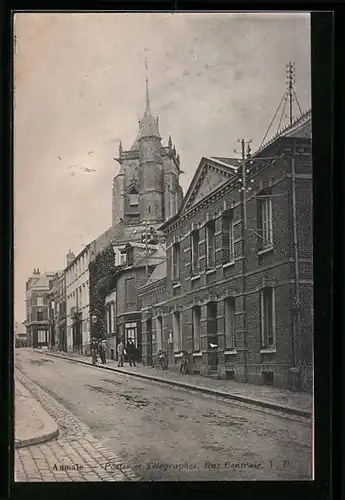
x,y
33,425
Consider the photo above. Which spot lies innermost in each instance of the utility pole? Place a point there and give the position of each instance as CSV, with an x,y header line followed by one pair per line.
x,y
244,185
290,75
146,251
244,145
296,311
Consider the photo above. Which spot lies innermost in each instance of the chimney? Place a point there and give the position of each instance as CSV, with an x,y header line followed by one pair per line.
x,y
70,257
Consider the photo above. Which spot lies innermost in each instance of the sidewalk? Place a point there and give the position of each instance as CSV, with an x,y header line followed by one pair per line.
x,y
75,456
33,425
294,403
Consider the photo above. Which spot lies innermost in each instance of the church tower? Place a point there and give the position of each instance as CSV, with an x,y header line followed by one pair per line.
x,y
147,186
151,172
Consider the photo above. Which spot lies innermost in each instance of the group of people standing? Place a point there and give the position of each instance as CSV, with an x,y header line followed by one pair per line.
x,y
130,352
98,348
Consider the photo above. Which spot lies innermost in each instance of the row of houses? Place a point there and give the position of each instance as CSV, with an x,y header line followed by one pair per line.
x,y
223,272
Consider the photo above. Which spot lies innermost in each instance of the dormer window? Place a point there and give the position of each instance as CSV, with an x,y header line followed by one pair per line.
x,y
133,198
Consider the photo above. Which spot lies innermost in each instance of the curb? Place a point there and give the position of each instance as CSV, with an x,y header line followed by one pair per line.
x,y
242,399
50,428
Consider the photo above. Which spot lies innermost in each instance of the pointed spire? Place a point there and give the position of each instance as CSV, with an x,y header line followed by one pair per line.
x,y
148,125
170,142
120,149
147,110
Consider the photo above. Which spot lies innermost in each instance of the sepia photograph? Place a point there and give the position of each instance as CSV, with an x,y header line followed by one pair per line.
x,y
163,247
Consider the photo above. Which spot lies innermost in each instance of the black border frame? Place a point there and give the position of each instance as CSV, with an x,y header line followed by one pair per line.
x,y
325,153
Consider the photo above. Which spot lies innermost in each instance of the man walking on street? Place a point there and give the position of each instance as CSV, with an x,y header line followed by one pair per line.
x,y
131,352
120,353
102,347
94,350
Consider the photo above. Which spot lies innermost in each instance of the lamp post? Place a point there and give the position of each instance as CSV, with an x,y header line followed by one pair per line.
x,y
94,320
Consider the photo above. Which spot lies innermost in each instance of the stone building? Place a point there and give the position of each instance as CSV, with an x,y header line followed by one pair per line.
x,y
146,192
77,300
130,277
147,186
239,290
37,303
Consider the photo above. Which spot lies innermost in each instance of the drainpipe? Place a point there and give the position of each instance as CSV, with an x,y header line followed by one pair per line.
x,y
296,317
244,270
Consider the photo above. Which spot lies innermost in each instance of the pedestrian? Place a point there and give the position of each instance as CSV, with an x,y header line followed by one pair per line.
x,y
184,363
120,353
94,349
131,352
101,348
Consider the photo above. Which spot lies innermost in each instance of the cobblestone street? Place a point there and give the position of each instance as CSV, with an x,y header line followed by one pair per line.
x,y
112,424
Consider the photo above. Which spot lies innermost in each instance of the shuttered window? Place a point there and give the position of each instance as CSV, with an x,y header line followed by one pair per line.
x,y
196,327
265,220
195,239
229,313
177,331
228,240
267,306
210,244
176,262
130,291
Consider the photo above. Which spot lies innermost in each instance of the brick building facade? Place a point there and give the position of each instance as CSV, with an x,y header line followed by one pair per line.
x,y
152,292
239,297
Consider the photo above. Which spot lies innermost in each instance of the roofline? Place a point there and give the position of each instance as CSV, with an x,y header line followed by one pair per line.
x,y
284,131
215,160
87,247
141,289
169,221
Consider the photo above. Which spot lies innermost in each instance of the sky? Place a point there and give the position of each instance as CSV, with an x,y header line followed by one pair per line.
x,y
79,84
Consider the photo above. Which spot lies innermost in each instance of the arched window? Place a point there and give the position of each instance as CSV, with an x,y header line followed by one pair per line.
x,y
133,198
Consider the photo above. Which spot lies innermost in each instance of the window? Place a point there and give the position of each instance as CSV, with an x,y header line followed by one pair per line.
x,y
176,262
212,318
108,319
39,315
131,333
133,198
267,317
196,327
229,314
210,244
228,238
159,326
129,255
195,238
39,301
265,221
177,330
41,336
130,290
